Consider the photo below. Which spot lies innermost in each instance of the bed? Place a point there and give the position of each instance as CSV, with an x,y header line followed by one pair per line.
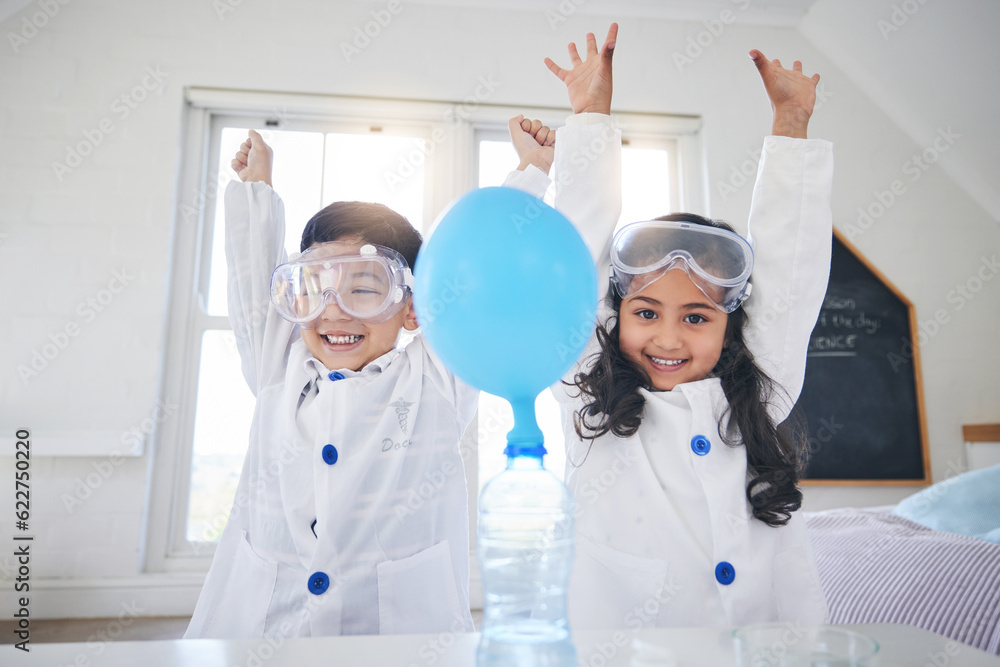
x,y
877,567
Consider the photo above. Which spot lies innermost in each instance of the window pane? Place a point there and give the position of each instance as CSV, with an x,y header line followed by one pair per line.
x,y
646,177
298,178
297,173
221,433
377,168
496,160
645,184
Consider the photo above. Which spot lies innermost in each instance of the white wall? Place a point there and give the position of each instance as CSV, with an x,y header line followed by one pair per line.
x,y
62,241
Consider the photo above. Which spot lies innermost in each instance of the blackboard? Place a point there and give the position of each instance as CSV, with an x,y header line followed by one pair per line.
x,y
862,400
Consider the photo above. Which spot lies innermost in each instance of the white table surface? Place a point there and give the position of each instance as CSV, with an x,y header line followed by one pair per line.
x,y
900,645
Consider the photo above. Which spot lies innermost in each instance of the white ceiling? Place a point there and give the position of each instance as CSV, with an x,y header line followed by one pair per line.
x,y
10,7
940,69
930,69
928,65
759,12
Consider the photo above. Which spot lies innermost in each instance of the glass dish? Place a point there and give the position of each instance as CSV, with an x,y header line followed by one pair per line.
x,y
790,644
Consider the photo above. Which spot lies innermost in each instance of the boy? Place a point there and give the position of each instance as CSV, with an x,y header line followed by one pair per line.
x,y
351,514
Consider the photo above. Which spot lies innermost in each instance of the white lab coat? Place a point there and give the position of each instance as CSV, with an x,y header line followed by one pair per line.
x,y
654,519
355,485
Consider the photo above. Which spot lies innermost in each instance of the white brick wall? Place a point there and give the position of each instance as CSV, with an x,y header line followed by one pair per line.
x,y
64,239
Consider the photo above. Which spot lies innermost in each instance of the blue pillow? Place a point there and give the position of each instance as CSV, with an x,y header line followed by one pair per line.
x,y
967,504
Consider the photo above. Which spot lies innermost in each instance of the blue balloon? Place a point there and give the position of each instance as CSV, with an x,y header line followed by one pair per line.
x,y
504,291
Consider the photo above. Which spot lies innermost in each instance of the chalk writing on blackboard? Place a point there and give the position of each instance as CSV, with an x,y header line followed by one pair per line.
x,y
841,328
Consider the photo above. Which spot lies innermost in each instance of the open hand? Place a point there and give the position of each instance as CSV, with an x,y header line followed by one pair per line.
x,y
589,82
792,94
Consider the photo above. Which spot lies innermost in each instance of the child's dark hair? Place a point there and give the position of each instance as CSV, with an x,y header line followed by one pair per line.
x,y
613,404
373,223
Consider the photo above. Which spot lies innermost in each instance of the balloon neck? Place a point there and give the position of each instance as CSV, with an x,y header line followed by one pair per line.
x,y
525,439
535,450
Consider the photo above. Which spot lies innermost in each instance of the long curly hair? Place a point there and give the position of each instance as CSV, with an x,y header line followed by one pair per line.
x,y
613,404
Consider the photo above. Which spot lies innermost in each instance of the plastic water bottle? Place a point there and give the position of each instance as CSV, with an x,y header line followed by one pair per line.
x,y
525,550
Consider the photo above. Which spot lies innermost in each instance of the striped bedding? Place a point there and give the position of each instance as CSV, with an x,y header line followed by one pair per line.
x,y
879,568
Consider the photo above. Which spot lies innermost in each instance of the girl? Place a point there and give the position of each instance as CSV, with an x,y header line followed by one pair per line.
x,y
684,485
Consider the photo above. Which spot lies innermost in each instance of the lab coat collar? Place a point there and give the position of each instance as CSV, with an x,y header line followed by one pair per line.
x,y
698,387
688,389
316,370
702,395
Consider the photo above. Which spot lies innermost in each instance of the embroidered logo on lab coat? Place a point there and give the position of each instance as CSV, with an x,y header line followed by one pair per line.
x,y
402,412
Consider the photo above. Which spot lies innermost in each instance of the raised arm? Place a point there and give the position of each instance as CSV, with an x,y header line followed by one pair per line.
x,y
255,237
588,171
534,145
791,227
588,149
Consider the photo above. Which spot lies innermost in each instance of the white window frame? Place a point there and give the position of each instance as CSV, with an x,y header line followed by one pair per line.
x,y
452,157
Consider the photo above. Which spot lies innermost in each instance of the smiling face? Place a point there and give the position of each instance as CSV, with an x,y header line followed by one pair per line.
x,y
341,341
672,330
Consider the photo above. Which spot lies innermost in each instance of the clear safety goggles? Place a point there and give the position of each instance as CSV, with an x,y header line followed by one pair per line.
x,y
717,261
368,282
